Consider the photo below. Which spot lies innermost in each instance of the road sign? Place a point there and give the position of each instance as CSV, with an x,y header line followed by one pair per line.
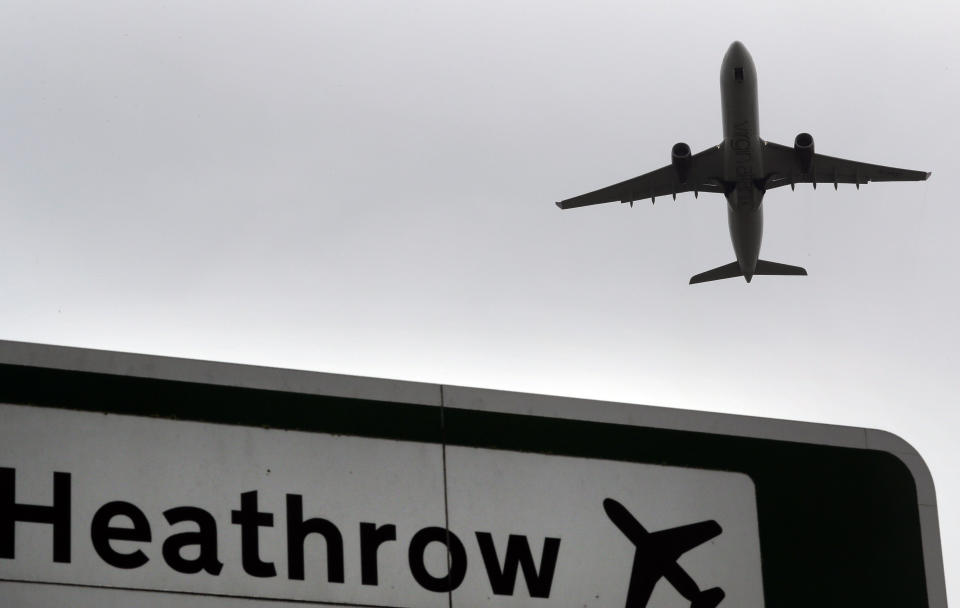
x,y
197,483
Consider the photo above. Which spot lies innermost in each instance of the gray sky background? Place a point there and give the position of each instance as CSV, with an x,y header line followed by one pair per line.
x,y
367,187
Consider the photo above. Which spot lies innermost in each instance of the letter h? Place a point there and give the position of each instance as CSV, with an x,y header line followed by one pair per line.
x,y
58,515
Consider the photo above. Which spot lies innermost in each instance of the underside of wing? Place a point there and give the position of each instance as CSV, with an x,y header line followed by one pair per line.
x,y
698,173
787,166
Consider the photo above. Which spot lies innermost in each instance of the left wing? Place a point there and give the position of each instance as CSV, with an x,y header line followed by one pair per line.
x,y
783,169
703,175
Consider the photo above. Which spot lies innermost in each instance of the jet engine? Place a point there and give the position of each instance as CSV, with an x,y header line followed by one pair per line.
x,y
681,159
803,146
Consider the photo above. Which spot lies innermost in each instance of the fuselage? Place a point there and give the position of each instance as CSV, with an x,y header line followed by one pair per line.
x,y
743,157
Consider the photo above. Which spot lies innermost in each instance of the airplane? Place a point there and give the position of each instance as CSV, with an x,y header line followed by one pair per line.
x,y
657,554
742,168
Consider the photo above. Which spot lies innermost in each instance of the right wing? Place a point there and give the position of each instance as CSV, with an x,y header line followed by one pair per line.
x,y
677,541
782,167
704,174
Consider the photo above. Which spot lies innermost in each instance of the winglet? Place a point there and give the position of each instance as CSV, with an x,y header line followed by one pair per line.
x,y
929,173
559,204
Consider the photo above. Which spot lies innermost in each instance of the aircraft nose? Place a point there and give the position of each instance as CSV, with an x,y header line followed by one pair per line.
x,y
737,50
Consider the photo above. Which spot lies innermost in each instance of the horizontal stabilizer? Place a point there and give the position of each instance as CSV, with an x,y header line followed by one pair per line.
x,y
731,270
765,267
727,271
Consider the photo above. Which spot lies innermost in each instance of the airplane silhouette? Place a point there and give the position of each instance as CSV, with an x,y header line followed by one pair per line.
x,y
657,554
743,168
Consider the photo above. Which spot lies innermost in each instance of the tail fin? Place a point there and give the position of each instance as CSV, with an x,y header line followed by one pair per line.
x,y
765,267
727,271
731,270
709,598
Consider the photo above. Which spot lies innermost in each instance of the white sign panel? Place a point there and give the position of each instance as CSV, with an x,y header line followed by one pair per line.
x,y
115,502
616,522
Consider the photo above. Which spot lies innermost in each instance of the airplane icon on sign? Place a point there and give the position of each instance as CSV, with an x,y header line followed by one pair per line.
x,y
657,554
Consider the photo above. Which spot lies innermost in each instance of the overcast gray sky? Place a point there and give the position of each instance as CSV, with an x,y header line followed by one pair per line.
x,y
367,187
